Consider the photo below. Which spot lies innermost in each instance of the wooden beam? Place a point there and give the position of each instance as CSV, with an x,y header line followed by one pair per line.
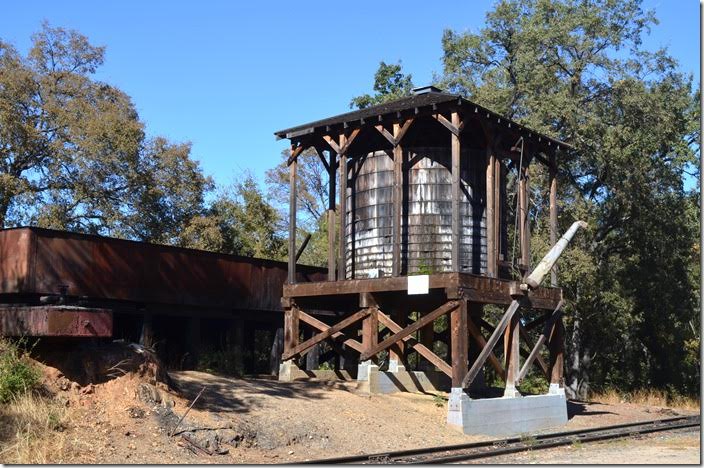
x,y
402,131
333,144
370,324
557,353
553,213
292,223
341,325
332,175
291,329
344,147
397,206
422,348
523,219
321,156
476,334
342,238
534,353
454,127
397,351
456,194
417,325
458,343
295,151
303,246
538,360
491,261
493,339
314,322
386,134
512,351
497,213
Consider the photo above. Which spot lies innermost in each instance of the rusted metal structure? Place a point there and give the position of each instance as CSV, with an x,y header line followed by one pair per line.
x,y
421,190
57,283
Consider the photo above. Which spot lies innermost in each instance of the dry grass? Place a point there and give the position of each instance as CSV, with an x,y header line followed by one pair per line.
x,y
647,398
32,430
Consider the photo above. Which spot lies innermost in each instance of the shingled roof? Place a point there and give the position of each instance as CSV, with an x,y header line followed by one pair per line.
x,y
422,98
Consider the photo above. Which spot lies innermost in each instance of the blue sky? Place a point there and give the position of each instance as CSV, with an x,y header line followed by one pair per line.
x,y
226,75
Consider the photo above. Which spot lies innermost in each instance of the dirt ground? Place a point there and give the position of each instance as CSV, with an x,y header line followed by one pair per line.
x,y
265,421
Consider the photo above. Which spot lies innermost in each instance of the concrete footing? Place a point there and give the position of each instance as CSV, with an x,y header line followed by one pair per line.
x,y
288,372
506,416
372,380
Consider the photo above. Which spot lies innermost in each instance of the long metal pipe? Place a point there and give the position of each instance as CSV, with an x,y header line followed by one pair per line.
x,y
536,276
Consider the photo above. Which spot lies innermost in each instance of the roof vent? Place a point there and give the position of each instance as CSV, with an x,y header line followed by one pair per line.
x,y
426,89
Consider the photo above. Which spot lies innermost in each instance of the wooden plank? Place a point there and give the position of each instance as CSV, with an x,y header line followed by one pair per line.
x,y
333,144
417,325
397,207
303,246
370,324
458,343
456,194
497,213
314,322
291,329
397,351
422,348
345,146
523,219
332,175
454,127
292,223
541,340
324,288
342,238
341,325
512,351
553,213
402,131
386,134
493,339
491,261
295,152
557,353
494,362
538,360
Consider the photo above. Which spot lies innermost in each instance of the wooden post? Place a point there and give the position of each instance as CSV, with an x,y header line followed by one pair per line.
x,y
398,204
557,353
341,260
475,310
456,194
291,328
146,337
370,325
497,213
553,213
332,173
397,352
459,337
292,223
426,338
512,355
523,220
490,206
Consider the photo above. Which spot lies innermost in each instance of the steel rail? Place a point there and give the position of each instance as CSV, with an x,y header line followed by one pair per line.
x,y
503,446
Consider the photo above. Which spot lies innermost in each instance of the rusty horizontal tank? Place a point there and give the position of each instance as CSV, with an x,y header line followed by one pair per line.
x,y
426,232
42,263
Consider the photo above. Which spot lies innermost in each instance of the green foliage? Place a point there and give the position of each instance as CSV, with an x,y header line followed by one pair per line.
x,y
74,154
533,384
17,375
439,400
575,69
390,83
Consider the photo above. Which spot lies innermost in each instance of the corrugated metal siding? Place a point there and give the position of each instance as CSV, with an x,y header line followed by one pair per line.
x,y
426,234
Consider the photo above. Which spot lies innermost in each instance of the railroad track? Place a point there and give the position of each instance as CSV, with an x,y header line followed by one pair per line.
x,y
493,448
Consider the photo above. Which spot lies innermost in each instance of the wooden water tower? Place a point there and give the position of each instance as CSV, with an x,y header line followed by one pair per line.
x,y
420,185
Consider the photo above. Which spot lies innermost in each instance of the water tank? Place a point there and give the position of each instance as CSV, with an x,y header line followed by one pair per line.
x,y
426,226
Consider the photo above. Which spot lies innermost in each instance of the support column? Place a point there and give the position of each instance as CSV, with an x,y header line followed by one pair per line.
x,y
497,213
370,334
459,337
512,355
553,213
291,339
397,351
557,357
456,194
397,205
427,337
331,216
489,214
523,219
475,313
341,261
292,223
146,337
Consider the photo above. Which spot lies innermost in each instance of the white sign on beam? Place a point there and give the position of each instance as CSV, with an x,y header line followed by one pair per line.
x,y
418,284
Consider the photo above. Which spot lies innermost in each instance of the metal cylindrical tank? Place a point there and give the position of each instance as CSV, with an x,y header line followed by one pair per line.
x,y
426,226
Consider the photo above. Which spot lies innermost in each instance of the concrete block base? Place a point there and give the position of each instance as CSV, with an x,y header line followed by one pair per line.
x,y
508,416
288,372
372,380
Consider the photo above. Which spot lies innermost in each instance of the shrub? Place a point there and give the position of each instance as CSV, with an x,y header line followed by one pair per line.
x,y
17,374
